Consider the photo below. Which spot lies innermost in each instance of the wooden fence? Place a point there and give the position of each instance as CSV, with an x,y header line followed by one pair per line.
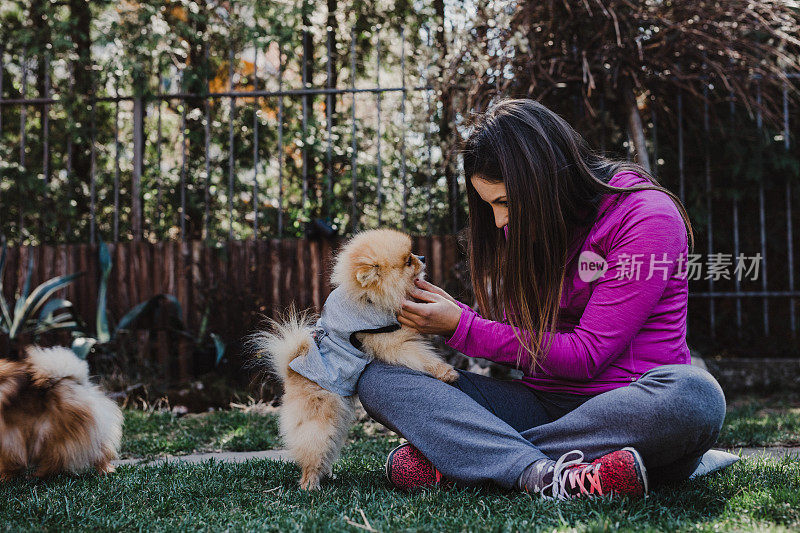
x,y
236,283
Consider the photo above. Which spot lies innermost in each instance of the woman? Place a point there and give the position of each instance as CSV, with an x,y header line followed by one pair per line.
x,y
578,266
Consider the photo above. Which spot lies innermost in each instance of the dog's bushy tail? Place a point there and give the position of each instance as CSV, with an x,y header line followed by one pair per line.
x,y
282,340
56,363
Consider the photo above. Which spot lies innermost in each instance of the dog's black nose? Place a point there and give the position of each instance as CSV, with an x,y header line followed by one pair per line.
x,y
421,259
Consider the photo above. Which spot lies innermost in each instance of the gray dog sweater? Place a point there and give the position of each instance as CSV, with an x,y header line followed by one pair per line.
x,y
336,360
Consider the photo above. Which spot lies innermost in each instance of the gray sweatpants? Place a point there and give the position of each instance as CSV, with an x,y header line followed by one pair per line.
x,y
482,429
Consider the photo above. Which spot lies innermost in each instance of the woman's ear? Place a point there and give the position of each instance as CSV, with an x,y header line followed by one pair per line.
x,y
367,275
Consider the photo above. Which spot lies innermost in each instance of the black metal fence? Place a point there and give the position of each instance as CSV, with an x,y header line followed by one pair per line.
x,y
784,298
144,132
384,191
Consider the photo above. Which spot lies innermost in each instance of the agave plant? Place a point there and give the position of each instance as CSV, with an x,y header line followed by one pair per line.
x,y
219,344
83,342
34,311
152,307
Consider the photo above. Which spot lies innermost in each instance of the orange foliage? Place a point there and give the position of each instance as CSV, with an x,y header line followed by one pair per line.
x,y
221,83
178,12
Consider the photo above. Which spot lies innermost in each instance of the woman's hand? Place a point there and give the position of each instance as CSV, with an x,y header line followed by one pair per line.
x,y
430,287
437,313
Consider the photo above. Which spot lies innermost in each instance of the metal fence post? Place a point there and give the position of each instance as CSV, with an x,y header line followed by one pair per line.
x,y
116,160
379,167
23,115
304,120
428,122
159,170
207,157
183,157
136,180
2,67
255,140
2,50
93,172
681,175
23,110
735,215
231,140
329,122
789,240
655,144
761,214
46,122
709,206
403,127
280,140
354,168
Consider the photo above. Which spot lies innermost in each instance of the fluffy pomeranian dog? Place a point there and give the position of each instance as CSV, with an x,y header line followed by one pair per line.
x,y
52,418
319,362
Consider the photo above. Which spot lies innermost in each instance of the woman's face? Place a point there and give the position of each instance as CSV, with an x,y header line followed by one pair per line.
x,y
493,194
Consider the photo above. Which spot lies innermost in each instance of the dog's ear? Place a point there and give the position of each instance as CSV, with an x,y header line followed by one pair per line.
x,y
367,274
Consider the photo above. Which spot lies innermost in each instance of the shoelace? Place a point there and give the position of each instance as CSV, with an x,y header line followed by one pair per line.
x,y
565,472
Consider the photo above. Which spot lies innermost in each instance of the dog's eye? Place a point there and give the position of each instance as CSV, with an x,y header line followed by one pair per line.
x,y
410,260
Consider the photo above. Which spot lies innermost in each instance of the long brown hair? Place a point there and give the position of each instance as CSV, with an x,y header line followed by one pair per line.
x,y
554,183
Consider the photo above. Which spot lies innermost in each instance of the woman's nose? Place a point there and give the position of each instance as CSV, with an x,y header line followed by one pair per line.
x,y
500,219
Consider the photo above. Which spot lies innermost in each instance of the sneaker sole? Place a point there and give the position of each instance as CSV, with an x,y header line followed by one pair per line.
x,y
640,467
388,466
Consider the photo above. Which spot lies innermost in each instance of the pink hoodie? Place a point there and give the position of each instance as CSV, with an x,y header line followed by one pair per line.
x,y
614,328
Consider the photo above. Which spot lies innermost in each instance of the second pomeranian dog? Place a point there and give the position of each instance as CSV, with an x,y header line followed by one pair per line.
x,y
52,418
320,363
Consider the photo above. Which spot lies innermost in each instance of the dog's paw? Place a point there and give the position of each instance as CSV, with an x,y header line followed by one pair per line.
x,y
105,469
447,373
309,482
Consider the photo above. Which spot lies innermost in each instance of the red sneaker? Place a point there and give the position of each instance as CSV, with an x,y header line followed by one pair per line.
x,y
407,468
620,473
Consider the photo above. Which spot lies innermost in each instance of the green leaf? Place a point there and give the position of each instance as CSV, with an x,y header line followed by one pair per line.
x,y
132,315
52,306
201,333
59,319
148,306
41,328
102,327
82,346
219,346
41,293
27,287
28,307
174,301
55,320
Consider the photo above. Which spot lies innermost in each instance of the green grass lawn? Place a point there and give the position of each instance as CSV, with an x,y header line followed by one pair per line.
x,y
148,433
754,494
762,422
263,496
749,422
